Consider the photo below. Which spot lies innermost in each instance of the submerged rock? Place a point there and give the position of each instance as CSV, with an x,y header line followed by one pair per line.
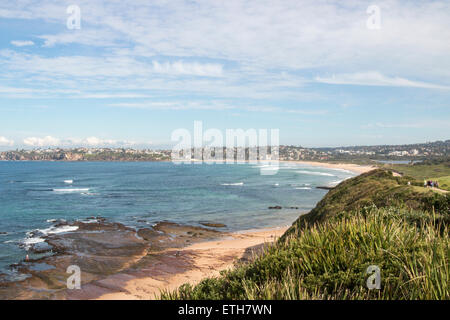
x,y
276,208
213,225
100,249
325,188
41,247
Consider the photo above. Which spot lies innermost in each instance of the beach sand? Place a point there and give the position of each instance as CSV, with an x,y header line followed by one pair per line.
x,y
206,259
356,168
119,262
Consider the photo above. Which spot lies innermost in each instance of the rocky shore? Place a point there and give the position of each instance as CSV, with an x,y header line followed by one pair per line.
x,y
100,249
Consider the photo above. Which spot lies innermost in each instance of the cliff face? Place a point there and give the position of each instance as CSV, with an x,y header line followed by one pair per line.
x,y
34,156
73,156
79,155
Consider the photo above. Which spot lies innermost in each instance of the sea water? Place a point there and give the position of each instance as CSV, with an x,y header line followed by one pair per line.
x,y
35,195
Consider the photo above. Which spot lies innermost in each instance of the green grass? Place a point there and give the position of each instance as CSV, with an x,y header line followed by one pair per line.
x,y
439,171
329,261
373,219
378,187
444,182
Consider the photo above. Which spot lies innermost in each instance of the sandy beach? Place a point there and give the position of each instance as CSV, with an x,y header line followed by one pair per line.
x,y
121,262
210,257
356,168
207,259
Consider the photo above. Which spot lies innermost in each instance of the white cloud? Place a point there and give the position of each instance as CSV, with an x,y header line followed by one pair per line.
x,y
426,123
47,141
374,78
8,89
96,142
20,43
291,34
112,96
111,66
96,38
50,141
4,142
235,48
183,68
20,92
230,49
173,105
177,105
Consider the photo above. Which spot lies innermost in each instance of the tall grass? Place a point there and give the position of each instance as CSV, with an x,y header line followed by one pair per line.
x,y
328,260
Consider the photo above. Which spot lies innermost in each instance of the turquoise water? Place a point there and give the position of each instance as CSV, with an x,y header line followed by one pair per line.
x,y
33,195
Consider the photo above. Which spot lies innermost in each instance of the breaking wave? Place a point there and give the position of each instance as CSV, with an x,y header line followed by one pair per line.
x,y
316,173
72,190
233,184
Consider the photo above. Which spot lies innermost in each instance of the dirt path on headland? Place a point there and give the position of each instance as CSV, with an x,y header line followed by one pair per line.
x,y
187,265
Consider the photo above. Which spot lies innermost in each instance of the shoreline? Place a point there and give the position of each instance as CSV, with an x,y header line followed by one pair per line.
x,y
207,259
174,266
355,168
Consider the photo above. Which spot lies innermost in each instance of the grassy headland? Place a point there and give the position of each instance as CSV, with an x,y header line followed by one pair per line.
x,y
373,219
436,170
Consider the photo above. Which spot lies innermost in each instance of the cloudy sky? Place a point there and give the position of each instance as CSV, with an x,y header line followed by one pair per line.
x,y
137,70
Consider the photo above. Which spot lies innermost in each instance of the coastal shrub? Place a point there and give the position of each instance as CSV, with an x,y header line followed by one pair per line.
x,y
329,260
376,187
372,219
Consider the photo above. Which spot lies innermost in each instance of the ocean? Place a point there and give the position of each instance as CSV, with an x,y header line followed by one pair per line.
x,y
35,195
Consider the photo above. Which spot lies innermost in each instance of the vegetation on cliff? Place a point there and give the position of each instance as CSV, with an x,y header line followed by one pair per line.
x,y
84,154
373,219
380,188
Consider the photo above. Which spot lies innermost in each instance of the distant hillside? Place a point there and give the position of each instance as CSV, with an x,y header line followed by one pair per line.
x,y
85,154
374,219
363,154
357,154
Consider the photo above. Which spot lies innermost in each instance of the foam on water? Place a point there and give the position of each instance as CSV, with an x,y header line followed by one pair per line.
x,y
72,190
36,236
315,173
89,220
59,229
235,195
30,241
300,184
341,170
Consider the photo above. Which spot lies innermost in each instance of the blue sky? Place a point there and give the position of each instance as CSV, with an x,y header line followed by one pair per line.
x,y
136,71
